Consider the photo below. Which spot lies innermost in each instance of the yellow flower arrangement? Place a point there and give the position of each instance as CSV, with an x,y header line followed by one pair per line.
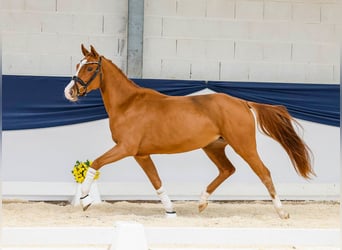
x,y
80,170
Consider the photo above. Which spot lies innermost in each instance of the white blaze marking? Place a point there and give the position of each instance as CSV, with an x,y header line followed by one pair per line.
x,y
67,91
72,82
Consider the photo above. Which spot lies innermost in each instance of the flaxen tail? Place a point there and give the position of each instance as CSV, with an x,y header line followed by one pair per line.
x,y
276,122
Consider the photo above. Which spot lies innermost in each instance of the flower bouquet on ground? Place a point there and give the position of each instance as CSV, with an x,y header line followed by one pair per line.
x,y
79,172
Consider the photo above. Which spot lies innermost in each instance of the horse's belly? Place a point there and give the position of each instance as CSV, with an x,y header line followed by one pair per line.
x,y
176,141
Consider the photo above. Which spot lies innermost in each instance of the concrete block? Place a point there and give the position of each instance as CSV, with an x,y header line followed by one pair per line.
x,y
312,32
20,21
90,6
191,8
331,13
304,72
249,10
306,12
264,72
73,6
329,53
279,11
55,65
12,4
337,72
160,8
221,9
249,51
42,43
151,68
230,29
234,71
220,49
20,64
315,53
159,48
152,26
115,25
274,31
292,73
205,70
205,28
175,69
70,44
40,5
109,46
191,48
57,23
176,27
87,23
277,51
319,73
14,42
118,7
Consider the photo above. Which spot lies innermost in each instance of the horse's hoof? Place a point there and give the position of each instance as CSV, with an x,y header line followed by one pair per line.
x,y
284,215
86,207
202,206
86,201
170,215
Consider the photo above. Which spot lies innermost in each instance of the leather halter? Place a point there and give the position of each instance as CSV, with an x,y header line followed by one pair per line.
x,y
86,84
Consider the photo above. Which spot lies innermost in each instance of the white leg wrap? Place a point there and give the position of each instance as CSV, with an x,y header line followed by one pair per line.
x,y
86,184
86,201
277,202
204,197
279,208
165,200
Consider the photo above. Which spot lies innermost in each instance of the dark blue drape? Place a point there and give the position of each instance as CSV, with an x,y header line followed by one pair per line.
x,y
38,101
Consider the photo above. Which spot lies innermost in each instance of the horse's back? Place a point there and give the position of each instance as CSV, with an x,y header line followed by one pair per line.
x,y
222,105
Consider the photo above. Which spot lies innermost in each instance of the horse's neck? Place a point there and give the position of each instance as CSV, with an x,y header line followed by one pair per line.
x,y
117,90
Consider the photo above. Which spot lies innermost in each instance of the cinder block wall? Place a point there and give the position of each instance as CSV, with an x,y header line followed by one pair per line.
x,y
242,40
43,37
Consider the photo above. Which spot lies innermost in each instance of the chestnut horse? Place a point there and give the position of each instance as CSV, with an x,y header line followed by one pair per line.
x,y
144,122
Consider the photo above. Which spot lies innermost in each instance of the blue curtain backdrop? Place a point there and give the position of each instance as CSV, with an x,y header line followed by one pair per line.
x,y
39,102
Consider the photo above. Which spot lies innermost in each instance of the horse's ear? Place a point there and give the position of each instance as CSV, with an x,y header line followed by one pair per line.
x,y
93,51
84,50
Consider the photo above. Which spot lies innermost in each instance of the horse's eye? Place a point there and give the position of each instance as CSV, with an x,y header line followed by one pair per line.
x,y
90,68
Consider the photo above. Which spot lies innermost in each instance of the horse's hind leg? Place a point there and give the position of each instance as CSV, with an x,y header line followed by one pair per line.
x,y
265,176
245,146
150,170
216,154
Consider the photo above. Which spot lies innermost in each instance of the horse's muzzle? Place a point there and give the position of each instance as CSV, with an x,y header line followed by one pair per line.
x,y
69,92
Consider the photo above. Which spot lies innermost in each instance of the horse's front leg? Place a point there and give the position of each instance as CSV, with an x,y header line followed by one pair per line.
x,y
150,170
116,153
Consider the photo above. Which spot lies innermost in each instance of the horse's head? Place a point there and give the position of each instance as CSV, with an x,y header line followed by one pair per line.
x,y
88,75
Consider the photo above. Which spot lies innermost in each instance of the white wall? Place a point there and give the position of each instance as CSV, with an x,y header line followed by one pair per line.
x,y
43,37
242,40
